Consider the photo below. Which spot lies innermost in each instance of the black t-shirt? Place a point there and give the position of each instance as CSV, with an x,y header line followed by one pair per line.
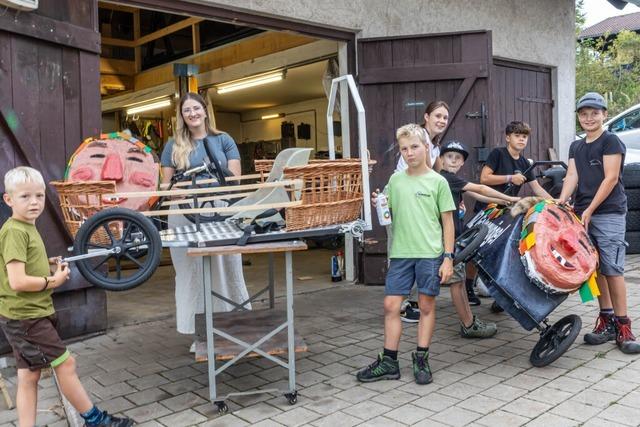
x,y
456,185
590,167
502,163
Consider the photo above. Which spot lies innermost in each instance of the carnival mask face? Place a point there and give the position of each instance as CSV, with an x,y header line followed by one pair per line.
x,y
563,255
121,161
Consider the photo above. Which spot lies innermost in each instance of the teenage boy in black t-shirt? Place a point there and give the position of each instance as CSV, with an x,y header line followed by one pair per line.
x,y
595,169
453,155
504,171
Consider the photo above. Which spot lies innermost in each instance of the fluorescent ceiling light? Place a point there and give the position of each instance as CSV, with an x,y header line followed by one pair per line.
x,y
248,82
148,107
272,116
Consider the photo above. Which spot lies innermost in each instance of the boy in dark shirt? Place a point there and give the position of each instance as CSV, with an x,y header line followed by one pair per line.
x,y
453,154
504,171
595,169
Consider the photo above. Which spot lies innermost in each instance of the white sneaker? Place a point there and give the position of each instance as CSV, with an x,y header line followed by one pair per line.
x,y
192,349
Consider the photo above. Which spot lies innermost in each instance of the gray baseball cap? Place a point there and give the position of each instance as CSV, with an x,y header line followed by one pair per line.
x,y
593,100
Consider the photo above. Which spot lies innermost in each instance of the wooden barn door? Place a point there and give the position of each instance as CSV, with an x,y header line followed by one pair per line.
x,y
524,94
398,77
50,102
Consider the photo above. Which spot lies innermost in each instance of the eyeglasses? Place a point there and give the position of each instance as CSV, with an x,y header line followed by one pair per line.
x,y
195,109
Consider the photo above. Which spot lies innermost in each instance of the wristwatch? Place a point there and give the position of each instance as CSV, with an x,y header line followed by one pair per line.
x,y
449,255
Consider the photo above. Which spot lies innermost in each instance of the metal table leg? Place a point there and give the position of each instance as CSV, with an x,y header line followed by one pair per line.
x,y
292,396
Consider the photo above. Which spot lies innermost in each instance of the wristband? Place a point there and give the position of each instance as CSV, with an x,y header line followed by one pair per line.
x,y
509,179
46,283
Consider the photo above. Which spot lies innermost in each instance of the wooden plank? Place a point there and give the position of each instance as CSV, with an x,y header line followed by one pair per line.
x,y
213,180
195,38
247,326
226,189
111,41
207,199
137,51
257,248
226,209
7,153
185,23
71,100
250,48
50,30
117,66
117,7
451,71
113,82
91,120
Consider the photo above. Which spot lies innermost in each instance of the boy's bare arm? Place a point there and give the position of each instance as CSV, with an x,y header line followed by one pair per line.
x,y
570,182
448,237
488,192
538,190
485,199
487,177
21,282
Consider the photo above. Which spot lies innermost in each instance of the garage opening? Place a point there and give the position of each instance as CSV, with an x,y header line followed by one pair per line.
x,y
150,55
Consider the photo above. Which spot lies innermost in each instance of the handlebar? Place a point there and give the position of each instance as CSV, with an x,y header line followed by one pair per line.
x,y
534,165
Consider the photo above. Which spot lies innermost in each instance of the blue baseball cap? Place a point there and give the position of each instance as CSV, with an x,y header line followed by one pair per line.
x,y
593,100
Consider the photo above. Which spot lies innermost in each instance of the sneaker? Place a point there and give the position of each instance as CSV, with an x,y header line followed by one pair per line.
x,y
478,329
625,340
471,295
384,368
112,421
495,308
421,369
604,331
410,314
192,347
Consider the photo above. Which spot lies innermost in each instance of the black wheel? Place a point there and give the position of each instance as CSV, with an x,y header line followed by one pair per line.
x,y
132,234
468,243
633,220
633,198
631,175
633,239
292,398
556,340
222,407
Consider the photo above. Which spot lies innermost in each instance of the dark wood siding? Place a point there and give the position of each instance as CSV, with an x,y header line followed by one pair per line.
x,y
50,102
523,92
398,77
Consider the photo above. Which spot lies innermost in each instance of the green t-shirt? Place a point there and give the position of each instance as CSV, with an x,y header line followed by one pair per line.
x,y
20,241
416,203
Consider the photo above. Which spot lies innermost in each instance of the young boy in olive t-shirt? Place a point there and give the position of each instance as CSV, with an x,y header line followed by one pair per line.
x,y
27,316
419,199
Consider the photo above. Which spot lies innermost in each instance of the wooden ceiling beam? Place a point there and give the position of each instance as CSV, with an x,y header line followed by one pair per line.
x,y
117,7
163,32
117,66
249,48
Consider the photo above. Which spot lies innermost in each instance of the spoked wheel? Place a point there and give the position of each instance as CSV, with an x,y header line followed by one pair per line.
x,y
468,243
135,243
556,340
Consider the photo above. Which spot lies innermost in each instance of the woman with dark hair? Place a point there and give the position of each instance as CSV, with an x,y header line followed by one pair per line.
x,y
436,119
186,150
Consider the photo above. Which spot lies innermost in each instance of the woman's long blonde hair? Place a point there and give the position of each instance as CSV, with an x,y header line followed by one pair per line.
x,y
183,144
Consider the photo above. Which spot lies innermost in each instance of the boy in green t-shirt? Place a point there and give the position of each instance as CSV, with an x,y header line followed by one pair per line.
x,y
27,317
420,200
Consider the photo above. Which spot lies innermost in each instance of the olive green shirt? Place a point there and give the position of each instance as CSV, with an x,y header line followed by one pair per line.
x,y
20,241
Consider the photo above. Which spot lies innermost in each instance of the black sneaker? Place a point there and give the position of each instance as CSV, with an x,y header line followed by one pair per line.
x,y
421,369
410,314
604,331
384,368
625,340
112,421
471,295
495,308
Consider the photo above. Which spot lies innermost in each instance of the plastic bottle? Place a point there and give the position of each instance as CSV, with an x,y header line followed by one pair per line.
x,y
382,207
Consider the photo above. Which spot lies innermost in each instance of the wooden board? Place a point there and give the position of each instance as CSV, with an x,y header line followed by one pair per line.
x,y
248,326
273,247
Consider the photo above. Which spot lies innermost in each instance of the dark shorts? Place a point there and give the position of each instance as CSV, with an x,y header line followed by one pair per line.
x,y
35,342
403,272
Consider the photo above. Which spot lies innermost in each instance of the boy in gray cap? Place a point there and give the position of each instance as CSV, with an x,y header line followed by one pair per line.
x,y
595,170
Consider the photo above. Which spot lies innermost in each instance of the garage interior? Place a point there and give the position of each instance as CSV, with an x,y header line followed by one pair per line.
x,y
140,50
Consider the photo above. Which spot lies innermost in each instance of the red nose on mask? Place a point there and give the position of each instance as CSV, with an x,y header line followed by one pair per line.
x,y
112,168
569,245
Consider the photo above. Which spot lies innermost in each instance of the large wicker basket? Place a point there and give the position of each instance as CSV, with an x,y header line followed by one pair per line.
x,y
331,194
80,200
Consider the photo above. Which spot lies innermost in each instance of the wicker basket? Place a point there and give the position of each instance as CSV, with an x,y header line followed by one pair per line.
x,y
331,194
81,200
263,166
